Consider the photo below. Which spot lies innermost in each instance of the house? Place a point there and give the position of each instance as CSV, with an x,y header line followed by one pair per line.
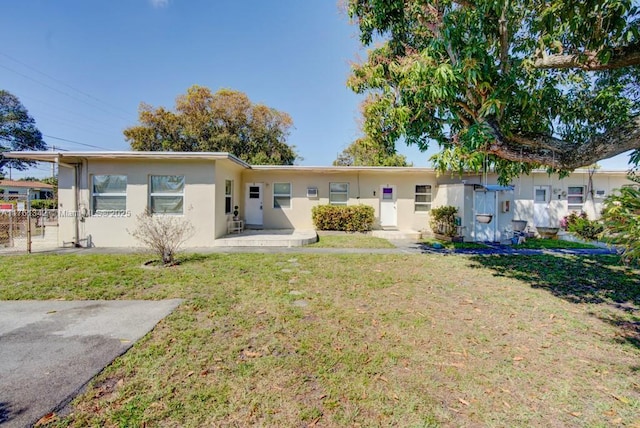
x,y
101,193
11,190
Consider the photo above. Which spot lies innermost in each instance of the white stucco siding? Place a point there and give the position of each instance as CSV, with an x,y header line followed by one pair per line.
x,y
364,188
225,171
198,204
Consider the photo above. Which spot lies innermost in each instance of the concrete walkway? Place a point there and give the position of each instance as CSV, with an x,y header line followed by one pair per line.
x,y
51,349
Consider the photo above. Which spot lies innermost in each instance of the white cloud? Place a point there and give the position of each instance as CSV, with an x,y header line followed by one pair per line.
x,y
159,3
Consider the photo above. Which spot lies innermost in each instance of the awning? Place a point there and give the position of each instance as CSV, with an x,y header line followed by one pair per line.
x,y
491,188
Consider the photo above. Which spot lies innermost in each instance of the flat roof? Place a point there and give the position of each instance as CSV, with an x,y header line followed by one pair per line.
x,y
73,157
77,156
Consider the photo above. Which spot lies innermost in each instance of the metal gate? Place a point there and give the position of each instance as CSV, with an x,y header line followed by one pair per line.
x,y
28,230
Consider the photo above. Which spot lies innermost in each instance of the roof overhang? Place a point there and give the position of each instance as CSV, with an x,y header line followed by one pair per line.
x,y
492,188
343,169
77,157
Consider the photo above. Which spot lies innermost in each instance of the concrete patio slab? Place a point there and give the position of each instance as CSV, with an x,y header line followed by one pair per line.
x,y
268,238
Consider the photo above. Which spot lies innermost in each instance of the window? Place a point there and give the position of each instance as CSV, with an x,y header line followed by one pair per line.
x,y
422,198
109,192
228,196
338,193
540,194
166,194
575,197
281,195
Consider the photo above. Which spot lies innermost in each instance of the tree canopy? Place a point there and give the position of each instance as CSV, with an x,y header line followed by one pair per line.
x,y
516,83
366,152
18,131
225,121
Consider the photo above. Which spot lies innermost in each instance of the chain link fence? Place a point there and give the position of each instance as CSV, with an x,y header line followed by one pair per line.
x,y
28,230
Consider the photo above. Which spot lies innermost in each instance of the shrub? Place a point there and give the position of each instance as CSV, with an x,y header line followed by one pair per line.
x,y
570,219
585,228
162,234
443,220
44,204
621,218
353,218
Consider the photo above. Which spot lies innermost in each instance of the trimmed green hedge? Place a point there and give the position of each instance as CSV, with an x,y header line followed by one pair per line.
x,y
44,204
353,218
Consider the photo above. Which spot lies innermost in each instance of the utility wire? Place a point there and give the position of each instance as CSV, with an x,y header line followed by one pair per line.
x,y
75,142
62,92
65,84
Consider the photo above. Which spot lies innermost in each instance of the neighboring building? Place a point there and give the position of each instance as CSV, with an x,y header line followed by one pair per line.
x,y
101,193
11,190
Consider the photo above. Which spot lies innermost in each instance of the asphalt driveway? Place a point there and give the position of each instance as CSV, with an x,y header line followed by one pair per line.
x,y
50,349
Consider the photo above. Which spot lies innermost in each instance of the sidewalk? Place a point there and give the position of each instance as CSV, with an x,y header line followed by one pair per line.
x,y
401,247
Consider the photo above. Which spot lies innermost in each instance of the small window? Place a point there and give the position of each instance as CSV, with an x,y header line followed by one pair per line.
x,y
228,196
281,195
338,193
254,192
422,198
540,195
166,194
108,193
575,197
312,192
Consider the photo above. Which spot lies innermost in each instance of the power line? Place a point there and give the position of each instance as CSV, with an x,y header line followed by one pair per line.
x,y
64,84
62,92
75,142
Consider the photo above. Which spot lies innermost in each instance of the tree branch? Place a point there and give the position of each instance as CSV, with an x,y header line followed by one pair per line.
x,y
559,154
621,57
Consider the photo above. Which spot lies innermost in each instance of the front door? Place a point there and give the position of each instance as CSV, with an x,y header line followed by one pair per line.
x,y
541,199
253,204
388,209
485,203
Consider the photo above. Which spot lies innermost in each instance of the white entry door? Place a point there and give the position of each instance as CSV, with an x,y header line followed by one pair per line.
x,y
541,199
485,203
388,208
253,204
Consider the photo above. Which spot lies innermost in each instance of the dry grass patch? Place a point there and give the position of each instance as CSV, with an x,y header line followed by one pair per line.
x,y
362,340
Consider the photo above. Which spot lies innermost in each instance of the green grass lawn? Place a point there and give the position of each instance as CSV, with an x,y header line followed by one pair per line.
x,y
351,240
359,340
533,243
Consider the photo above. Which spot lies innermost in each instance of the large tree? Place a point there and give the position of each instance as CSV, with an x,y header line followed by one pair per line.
x,y
18,131
225,121
366,152
517,83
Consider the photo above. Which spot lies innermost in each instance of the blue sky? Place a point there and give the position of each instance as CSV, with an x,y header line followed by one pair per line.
x,y
81,67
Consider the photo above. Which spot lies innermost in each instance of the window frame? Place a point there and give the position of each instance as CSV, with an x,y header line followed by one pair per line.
x,y
428,194
95,194
277,205
332,193
228,197
575,206
153,194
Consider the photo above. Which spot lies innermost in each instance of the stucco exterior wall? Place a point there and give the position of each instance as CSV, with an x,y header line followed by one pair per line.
x,y
558,206
199,202
225,171
364,188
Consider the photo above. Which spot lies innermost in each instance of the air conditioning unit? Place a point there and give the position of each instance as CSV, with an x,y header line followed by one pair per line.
x,y
312,192
600,194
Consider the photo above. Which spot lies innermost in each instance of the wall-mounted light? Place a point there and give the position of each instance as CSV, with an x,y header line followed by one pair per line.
x,y
374,193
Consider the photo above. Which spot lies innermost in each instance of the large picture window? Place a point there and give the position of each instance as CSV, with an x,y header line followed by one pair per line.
x,y
166,194
575,197
338,193
109,193
422,198
281,195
